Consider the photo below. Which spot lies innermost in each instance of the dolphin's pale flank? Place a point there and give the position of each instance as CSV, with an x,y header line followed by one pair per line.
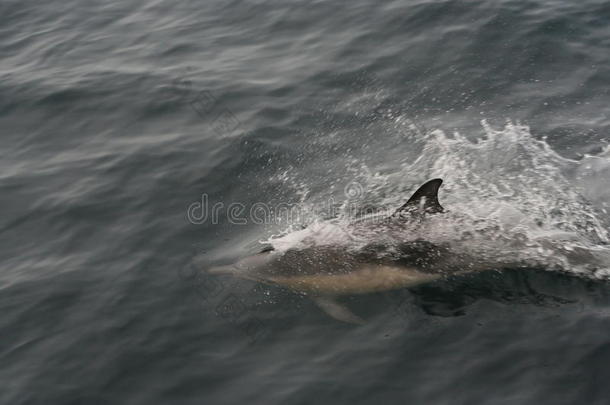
x,y
326,272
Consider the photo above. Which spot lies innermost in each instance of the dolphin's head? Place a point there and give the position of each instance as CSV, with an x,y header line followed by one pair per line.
x,y
248,265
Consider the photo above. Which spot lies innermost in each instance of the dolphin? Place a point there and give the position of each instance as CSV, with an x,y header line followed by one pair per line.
x,y
326,272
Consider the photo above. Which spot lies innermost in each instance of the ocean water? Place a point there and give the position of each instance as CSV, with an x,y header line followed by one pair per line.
x,y
142,141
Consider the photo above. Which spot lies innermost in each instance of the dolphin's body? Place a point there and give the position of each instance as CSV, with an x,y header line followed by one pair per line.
x,y
326,272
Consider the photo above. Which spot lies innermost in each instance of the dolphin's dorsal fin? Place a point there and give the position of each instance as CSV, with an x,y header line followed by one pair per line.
x,y
425,199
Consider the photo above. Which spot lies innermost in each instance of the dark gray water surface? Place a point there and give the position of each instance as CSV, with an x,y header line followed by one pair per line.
x,y
116,116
